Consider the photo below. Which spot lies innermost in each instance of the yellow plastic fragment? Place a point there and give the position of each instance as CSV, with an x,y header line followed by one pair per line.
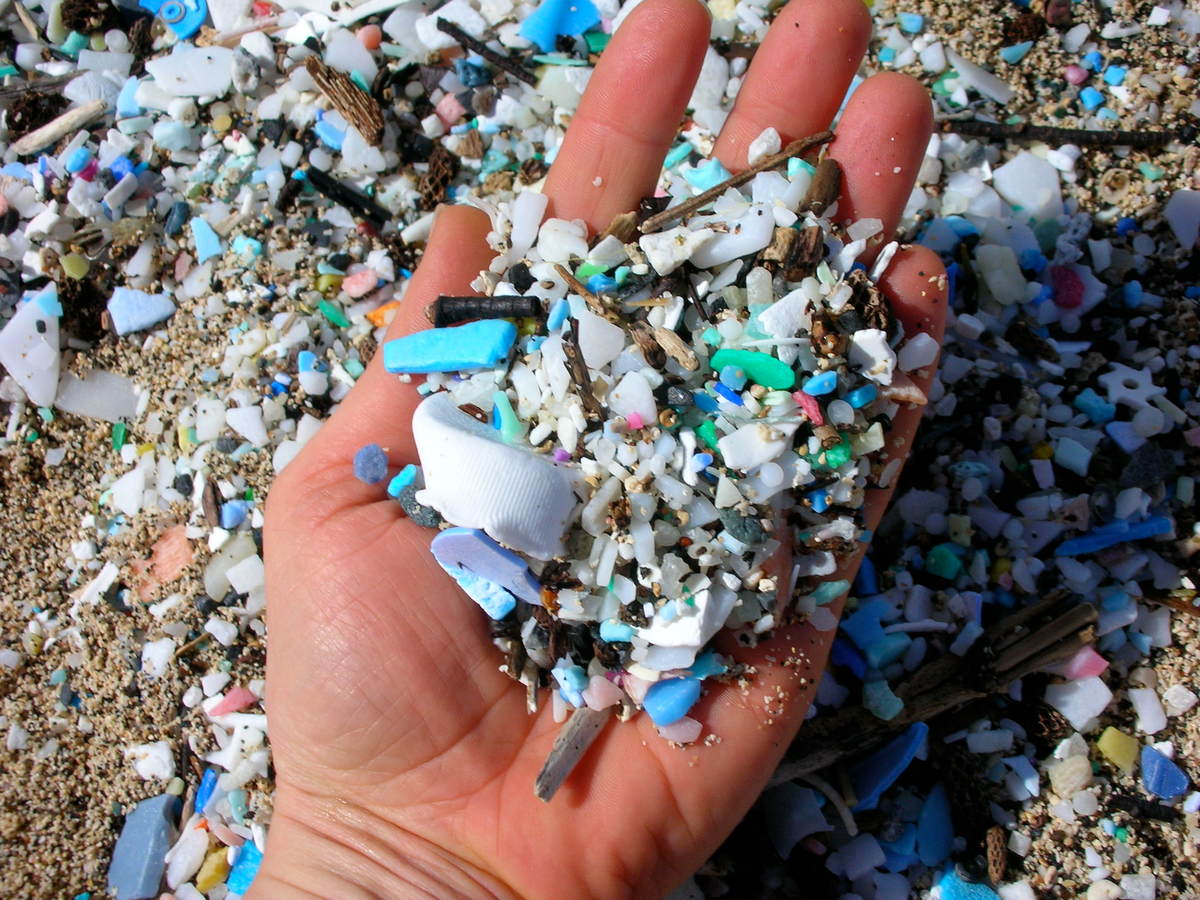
x,y
222,123
184,436
74,265
1043,451
214,871
382,315
1119,748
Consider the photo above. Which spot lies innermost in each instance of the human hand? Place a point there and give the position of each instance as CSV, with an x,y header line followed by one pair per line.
x,y
405,760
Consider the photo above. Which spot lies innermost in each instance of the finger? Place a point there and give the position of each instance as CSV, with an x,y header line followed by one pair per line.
x,y
880,142
614,148
379,408
799,75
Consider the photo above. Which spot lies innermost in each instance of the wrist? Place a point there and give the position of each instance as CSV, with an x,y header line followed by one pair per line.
x,y
335,849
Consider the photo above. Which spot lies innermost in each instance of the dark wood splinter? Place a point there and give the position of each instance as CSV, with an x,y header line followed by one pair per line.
x,y
447,310
579,370
511,66
1084,137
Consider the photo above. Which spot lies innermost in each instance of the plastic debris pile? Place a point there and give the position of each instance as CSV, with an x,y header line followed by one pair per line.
x,y
197,256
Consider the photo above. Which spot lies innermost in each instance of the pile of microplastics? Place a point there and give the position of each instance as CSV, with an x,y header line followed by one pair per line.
x,y
617,473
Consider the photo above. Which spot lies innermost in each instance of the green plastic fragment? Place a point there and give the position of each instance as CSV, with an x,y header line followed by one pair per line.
x,y
596,41
707,432
712,337
119,432
31,437
249,495
353,368
1151,172
944,562
622,274
587,270
46,413
510,425
826,460
1121,833
360,81
761,368
676,155
74,43
939,86
9,70
333,314
828,591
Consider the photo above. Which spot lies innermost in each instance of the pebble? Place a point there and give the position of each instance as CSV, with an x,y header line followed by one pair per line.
x,y
370,464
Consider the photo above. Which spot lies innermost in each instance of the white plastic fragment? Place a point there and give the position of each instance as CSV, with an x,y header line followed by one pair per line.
x,y
154,761
666,251
156,656
29,350
1079,701
1182,213
193,71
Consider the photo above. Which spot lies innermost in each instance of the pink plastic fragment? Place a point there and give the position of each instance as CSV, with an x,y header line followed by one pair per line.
x,y
356,284
449,110
635,421
171,554
1076,74
635,687
601,693
1068,287
225,834
684,731
236,699
811,407
1084,664
183,263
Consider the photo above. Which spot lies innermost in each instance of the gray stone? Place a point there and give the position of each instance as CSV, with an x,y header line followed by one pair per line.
x,y
137,861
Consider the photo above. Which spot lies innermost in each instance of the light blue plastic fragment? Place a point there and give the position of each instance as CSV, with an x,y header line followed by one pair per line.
x,y
911,23
558,314
796,165
78,159
669,700
241,876
47,301
132,310
474,551
705,175
137,860
954,887
879,771
707,665
555,17
243,245
1091,98
880,701
208,244
127,105
677,154
1114,75
861,396
402,479
614,632
493,599
476,345
864,626
331,136
1014,53
821,384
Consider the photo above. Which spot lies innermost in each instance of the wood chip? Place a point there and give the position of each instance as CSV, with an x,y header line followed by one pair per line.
x,y
577,735
358,107
69,122
677,348
623,227
823,190
997,854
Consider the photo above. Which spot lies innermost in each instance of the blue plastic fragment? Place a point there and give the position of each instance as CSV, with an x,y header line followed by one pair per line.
x,y
843,653
558,314
821,384
475,345
492,599
887,54
705,402
176,216
402,479
1014,53
861,396
207,784
233,513
241,876
48,302
184,17
1091,98
208,244
78,159
370,464
472,550
1095,407
864,626
818,500
137,860
911,23
1114,75
866,582
601,283
731,395
131,310
330,135
669,700
557,17
471,74
1093,60
1118,532
705,175
954,887
901,853
935,828
707,665
1126,225
1160,776
879,771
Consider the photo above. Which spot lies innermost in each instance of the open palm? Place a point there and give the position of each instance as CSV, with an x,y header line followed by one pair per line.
x,y
405,759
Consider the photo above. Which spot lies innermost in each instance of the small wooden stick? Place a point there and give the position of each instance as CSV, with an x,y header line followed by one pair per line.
x,y
509,65
1084,137
71,120
796,148
573,741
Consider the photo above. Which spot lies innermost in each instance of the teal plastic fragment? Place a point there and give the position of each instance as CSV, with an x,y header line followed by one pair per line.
x,y
676,155
509,425
476,345
402,479
705,175
880,701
